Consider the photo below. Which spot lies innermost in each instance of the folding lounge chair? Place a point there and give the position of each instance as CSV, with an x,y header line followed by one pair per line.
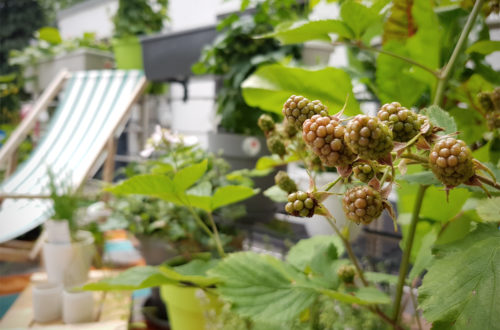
x,y
92,107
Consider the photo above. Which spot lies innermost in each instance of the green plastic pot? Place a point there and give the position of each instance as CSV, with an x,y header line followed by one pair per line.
x,y
128,53
184,307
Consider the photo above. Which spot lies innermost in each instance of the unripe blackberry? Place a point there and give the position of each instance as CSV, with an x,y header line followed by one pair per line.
x,y
276,146
298,108
362,204
289,129
363,172
495,98
368,137
346,273
283,181
451,161
266,123
493,119
485,101
325,136
301,204
404,123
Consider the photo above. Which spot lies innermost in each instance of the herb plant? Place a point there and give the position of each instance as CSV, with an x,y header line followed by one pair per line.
x,y
138,17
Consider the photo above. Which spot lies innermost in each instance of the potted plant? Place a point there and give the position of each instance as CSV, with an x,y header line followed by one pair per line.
x,y
67,252
134,18
49,54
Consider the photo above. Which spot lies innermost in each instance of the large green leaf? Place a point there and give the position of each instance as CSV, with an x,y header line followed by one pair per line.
x,y
361,296
187,176
461,289
231,194
424,257
399,25
297,32
440,118
132,279
489,209
271,85
262,287
147,184
484,47
359,18
50,34
302,253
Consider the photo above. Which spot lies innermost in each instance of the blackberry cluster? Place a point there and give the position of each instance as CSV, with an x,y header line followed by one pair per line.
x,y
404,123
283,181
363,172
362,204
451,161
490,102
346,273
298,108
325,136
301,204
368,137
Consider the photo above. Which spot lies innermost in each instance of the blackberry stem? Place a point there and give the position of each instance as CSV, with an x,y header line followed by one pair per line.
x,y
405,262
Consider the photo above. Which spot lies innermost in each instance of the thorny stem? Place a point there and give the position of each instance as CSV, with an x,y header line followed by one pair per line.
x,y
385,52
405,262
445,75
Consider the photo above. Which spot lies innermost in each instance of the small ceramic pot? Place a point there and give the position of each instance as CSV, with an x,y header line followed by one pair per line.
x,y
78,306
47,302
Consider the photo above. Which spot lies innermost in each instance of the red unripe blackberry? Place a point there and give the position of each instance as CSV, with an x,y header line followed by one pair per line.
x,y
298,108
325,136
368,137
404,123
362,204
301,204
451,161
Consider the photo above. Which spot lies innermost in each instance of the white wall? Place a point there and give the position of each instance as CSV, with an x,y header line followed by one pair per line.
x,y
90,16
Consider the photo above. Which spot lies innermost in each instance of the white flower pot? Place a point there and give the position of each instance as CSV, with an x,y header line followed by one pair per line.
x,y
58,231
47,302
318,225
69,263
78,306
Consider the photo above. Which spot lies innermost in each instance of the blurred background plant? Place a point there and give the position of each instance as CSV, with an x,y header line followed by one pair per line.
x,y
139,17
235,55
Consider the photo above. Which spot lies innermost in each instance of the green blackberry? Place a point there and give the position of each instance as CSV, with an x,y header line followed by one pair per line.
x,y
451,161
404,123
298,108
493,119
346,273
301,204
485,101
283,181
266,123
275,145
368,137
495,98
362,204
325,136
363,172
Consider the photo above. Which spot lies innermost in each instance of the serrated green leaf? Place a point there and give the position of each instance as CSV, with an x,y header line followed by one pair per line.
x,y
440,118
426,178
276,194
196,267
297,32
202,281
262,287
365,17
460,290
489,209
231,194
187,176
381,278
302,253
484,47
132,279
147,184
424,256
271,85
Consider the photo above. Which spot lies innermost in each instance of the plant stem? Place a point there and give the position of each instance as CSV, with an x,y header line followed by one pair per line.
x,y
488,181
218,243
445,74
416,158
348,248
405,262
385,52
331,184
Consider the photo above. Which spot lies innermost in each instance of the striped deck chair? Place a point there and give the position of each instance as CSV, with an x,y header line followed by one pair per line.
x,y
92,107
